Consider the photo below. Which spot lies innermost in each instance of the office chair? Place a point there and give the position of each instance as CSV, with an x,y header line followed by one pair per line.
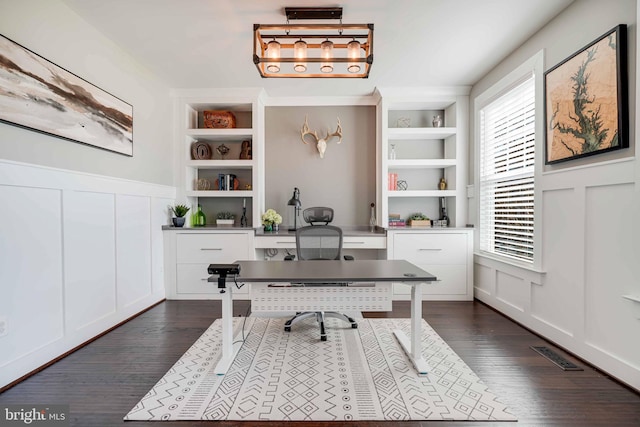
x,y
319,242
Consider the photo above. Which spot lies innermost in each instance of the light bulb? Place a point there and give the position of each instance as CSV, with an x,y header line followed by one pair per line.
x,y
327,53
353,52
273,52
300,52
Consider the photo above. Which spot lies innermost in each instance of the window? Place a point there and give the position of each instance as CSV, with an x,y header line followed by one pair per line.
x,y
506,166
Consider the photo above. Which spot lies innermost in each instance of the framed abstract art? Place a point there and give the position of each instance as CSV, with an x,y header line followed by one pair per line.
x,y
586,100
39,95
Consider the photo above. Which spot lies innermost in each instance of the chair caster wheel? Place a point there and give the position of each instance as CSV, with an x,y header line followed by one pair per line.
x,y
354,326
287,328
323,338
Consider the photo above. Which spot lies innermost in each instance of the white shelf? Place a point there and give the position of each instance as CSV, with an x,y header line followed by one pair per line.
x,y
221,164
248,108
216,193
426,154
220,134
422,193
421,163
420,133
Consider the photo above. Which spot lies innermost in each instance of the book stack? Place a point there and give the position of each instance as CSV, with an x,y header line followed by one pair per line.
x,y
393,181
396,221
226,181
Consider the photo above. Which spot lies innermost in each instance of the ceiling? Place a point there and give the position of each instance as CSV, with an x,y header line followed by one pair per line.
x,y
208,43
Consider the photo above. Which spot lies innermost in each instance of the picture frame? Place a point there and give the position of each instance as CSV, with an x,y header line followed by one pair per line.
x,y
39,95
586,105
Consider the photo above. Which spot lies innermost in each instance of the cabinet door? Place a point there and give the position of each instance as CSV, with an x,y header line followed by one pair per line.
x,y
431,248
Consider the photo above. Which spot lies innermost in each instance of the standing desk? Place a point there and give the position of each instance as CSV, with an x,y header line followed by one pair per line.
x,y
326,272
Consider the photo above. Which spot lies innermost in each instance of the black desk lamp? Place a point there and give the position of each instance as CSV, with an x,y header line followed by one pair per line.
x,y
295,202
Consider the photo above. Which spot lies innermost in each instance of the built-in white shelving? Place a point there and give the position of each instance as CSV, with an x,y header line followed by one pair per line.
x,y
419,154
198,183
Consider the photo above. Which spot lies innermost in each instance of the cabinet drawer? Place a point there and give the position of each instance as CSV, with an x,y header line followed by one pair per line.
x,y
364,242
452,280
276,242
431,248
348,242
192,279
212,248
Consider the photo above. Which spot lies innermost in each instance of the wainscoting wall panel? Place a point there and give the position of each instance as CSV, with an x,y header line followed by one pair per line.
x,y
89,255
590,234
31,275
79,253
611,248
133,225
512,290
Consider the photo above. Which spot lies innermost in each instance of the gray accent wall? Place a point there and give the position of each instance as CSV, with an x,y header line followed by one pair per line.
x,y
343,180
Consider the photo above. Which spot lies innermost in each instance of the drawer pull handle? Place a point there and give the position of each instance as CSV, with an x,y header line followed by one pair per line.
x,y
210,249
361,243
285,243
430,249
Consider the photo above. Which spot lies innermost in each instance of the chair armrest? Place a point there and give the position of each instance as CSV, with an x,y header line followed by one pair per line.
x,y
289,257
348,257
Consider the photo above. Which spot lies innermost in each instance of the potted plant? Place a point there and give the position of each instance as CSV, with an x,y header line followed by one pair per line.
x,y
419,220
225,218
271,220
179,211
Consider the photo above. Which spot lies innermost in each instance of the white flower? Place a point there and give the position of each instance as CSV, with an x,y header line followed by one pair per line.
x,y
271,217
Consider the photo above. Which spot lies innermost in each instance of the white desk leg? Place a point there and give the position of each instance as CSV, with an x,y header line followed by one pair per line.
x,y
413,347
229,349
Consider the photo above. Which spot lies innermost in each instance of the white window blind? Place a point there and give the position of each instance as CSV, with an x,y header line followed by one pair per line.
x,y
507,148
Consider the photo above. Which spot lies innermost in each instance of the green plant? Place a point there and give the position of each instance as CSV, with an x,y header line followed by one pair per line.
x,y
179,210
226,215
418,217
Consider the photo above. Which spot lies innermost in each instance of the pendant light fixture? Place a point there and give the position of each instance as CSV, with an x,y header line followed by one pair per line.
x,y
273,52
314,49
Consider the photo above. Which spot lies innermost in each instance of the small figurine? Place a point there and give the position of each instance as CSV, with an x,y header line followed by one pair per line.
x,y
443,184
223,150
437,121
245,151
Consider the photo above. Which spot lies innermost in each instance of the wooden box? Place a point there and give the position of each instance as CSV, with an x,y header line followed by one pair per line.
x,y
214,119
420,223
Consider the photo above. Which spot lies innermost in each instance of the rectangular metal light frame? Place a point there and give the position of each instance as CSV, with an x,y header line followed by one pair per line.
x,y
313,34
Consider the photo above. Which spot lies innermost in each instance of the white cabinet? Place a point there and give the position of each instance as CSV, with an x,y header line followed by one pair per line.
x,y
414,155
445,253
189,253
208,156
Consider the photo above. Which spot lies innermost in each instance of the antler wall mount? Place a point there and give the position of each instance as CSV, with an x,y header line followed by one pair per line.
x,y
321,143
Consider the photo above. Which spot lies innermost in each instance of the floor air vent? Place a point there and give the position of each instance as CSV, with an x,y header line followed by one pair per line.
x,y
560,361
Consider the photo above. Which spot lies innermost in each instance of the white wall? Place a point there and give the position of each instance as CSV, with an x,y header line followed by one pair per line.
x,y
590,230
80,227
53,31
79,253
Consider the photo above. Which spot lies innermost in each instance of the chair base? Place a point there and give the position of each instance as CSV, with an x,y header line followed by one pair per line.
x,y
320,316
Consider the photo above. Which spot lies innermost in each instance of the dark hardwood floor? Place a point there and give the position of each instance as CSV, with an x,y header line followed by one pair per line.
x,y
102,381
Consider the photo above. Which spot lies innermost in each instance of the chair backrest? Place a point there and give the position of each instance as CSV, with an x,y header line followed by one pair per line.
x,y
318,214
319,242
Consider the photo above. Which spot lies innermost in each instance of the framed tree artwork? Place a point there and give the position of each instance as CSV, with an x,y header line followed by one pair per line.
x,y
39,95
586,100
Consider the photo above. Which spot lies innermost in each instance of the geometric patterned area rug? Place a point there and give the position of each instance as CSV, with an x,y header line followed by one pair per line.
x,y
357,374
